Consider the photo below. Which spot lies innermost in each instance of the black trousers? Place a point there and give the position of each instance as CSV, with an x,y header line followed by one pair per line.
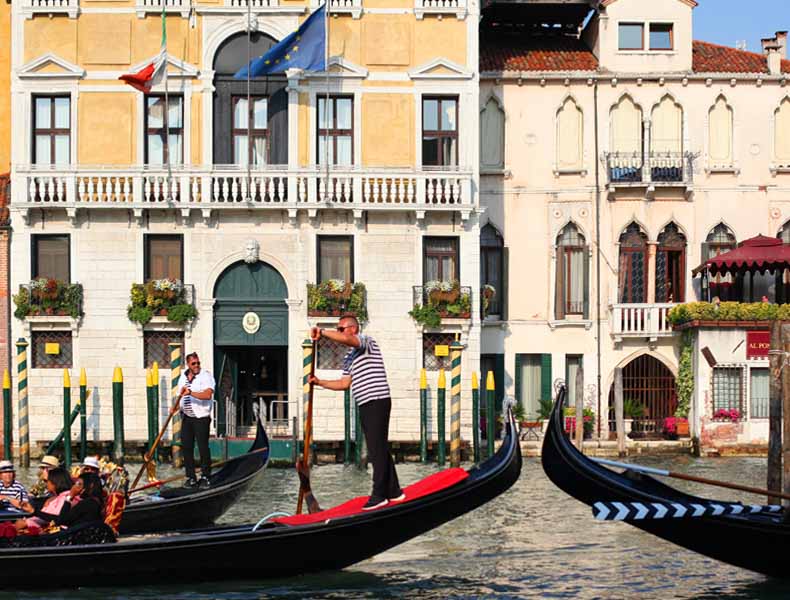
x,y
375,418
192,430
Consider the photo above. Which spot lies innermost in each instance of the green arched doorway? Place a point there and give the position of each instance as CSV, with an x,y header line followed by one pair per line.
x,y
250,346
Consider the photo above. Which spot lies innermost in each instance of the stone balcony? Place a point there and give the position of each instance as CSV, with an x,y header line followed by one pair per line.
x,y
50,7
649,170
640,321
227,187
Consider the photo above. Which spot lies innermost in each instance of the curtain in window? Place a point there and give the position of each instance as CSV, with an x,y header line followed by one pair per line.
x,y
759,394
570,136
720,133
53,258
335,259
530,384
783,132
572,366
164,258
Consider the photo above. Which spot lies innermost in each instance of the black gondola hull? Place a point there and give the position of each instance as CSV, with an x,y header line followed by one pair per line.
x,y
274,551
755,542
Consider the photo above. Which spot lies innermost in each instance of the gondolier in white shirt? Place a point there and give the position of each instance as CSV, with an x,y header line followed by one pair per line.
x,y
364,373
196,387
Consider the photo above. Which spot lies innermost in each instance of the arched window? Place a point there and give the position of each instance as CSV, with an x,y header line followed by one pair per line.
x,y
720,134
492,249
666,141
571,296
627,141
570,137
492,136
632,277
720,240
782,133
784,233
671,265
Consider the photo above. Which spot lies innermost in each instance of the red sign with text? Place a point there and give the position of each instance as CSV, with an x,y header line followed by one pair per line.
x,y
757,344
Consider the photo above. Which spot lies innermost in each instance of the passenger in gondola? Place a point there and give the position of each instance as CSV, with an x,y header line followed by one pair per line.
x,y
39,489
364,373
56,503
90,465
86,503
10,489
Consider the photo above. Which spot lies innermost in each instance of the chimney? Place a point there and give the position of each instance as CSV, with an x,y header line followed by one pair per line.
x,y
781,39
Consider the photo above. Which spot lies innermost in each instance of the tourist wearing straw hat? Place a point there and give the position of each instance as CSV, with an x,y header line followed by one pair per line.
x,y
10,488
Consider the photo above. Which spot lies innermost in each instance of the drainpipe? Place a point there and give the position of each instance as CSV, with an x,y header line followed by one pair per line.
x,y
597,255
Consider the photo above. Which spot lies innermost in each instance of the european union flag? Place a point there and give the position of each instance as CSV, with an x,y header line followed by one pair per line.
x,y
305,49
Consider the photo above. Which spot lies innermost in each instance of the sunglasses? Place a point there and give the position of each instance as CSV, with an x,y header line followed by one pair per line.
x,y
194,364
342,329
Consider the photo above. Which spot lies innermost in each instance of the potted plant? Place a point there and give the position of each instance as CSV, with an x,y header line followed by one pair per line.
x,y
588,421
545,406
723,414
48,297
489,291
632,409
159,297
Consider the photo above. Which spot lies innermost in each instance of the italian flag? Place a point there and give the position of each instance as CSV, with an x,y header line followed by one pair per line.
x,y
155,72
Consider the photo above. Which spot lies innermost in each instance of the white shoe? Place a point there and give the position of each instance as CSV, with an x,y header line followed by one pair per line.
x,y
373,504
400,498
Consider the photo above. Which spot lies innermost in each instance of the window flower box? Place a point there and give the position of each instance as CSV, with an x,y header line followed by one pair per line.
x,y
723,415
438,300
162,298
727,314
48,297
335,297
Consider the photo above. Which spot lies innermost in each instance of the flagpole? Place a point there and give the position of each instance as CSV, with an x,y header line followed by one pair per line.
x,y
326,101
166,114
249,102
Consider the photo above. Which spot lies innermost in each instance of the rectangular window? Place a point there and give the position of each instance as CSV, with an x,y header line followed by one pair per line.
x,y
759,393
570,280
250,130
336,131
573,364
156,347
727,389
430,361
530,382
51,130
164,129
440,258
440,132
51,349
632,36
335,258
661,36
51,257
164,257
670,274
330,354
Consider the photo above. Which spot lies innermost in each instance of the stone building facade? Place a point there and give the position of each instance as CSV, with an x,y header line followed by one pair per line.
x,y
109,193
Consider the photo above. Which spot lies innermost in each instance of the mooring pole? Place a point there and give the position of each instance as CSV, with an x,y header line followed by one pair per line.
x,y
8,425
618,411
24,426
148,393
66,419
347,427
579,394
175,374
455,404
441,395
785,412
423,417
775,359
475,418
307,423
117,414
155,406
490,413
83,417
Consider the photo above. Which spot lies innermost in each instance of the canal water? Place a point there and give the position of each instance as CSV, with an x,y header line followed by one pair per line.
x,y
532,542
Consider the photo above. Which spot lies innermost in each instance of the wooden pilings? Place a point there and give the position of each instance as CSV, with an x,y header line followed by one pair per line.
x,y
455,403
24,426
775,361
475,418
440,418
83,415
490,413
66,419
117,415
618,411
347,427
423,417
175,374
8,425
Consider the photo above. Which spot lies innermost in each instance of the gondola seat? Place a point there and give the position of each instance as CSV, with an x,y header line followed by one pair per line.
x,y
425,487
79,535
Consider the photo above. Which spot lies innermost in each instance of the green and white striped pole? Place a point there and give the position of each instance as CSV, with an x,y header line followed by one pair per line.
x,y
66,419
8,424
347,427
83,416
117,414
423,417
490,412
307,361
175,374
440,417
24,427
455,404
475,417
155,406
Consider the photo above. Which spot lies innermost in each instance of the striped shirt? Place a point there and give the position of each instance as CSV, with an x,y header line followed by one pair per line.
x,y
15,490
191,406
365,365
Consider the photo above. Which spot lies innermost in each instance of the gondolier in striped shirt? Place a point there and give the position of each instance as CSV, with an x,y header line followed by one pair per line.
x,y
364,373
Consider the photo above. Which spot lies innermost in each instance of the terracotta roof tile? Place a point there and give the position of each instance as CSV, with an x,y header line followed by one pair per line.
x,y
712,58
536,54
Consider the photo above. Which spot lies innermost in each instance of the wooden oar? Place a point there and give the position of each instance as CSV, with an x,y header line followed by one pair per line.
x,y
308,436
150,454
183,475
676,475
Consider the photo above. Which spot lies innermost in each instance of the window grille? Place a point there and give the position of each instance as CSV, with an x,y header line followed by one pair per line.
x,y
331,354
430,361
728,389
156,347
58,357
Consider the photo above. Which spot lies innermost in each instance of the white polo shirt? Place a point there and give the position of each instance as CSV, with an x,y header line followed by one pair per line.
x,y
191,406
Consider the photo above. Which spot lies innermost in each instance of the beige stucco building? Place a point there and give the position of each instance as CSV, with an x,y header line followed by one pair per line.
x,y
114,187
663,149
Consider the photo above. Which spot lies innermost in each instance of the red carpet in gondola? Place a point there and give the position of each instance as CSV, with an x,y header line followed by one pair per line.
x,y
425,487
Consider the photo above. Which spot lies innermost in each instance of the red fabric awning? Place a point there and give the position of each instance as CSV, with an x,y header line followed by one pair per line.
x,y
759,253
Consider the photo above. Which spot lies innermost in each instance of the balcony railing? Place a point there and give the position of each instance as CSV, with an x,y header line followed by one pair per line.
x,y
49,298
640,321
50,7
229,186
440,7
455,303
650,168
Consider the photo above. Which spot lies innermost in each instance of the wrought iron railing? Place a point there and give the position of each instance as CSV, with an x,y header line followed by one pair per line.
x,y
450,301
649,167
49,297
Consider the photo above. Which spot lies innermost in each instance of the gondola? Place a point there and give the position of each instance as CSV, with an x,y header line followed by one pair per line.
x,y
272,549
755,542
177,508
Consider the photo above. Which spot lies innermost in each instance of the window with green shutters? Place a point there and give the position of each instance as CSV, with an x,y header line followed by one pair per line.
x,y
533,382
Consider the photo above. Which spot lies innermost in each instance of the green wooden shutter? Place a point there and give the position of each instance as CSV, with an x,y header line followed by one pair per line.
x,y
503,299
499,378
545,376
586,282
517,379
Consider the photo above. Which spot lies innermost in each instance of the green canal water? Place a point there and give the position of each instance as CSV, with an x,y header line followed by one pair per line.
x,y
533,542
